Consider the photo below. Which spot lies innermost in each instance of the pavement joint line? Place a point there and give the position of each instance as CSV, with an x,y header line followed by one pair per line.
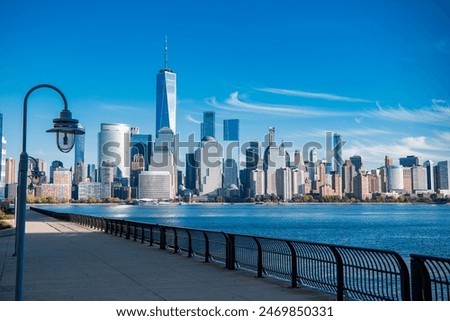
x,y
127,276
5,258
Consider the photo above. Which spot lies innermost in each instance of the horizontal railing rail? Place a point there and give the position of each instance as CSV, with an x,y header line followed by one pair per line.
x,y
351,273
430,278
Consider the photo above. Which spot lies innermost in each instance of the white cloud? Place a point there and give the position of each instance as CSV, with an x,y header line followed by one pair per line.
x,y
307,94
234,103
433,114
192,120
114,107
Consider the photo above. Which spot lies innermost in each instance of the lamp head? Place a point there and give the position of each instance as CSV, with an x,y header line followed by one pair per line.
x,y
65,128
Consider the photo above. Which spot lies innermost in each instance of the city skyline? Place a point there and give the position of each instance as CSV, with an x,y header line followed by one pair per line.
x,y
371,73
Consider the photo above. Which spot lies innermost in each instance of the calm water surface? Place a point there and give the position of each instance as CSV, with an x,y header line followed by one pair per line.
x,y
405,228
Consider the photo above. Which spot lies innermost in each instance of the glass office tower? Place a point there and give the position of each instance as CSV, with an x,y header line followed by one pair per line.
x,y
166,98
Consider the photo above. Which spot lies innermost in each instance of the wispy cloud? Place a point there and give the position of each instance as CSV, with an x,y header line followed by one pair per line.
x,y
192,120
433,114
114,107
313,95
234,103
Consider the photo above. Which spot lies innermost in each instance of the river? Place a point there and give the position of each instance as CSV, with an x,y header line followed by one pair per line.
x,y
405,228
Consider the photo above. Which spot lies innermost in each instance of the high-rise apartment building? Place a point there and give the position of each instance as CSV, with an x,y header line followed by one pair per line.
x,y
166,97
388,161
419,179
208,127
114,148
209,177
274,158
3,161
348,173
10,171
407,180
55,164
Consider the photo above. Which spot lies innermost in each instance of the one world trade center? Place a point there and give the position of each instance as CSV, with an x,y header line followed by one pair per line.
x,y
166,97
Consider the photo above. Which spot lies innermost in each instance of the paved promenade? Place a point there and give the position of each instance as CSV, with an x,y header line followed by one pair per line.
x,y
65,261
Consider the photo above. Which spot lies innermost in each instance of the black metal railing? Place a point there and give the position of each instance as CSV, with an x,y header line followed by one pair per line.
x,y
352,273
430,278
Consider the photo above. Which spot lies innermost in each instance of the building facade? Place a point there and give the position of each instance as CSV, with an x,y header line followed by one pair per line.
x,y
208,127
166,97
114,149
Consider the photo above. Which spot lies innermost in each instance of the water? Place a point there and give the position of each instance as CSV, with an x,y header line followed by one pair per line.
x,y
404,228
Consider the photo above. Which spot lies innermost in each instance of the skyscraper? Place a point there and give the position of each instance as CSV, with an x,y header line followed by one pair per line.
x,y
409,161
231,129
442,173
429,165
208,127
419,178
166,97
338,161
141,144
55,164
232,155
395,179
114,147
79,147
2,161
209,178
357,161
2,156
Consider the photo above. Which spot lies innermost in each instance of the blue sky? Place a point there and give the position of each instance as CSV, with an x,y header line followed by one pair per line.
x,y
375,71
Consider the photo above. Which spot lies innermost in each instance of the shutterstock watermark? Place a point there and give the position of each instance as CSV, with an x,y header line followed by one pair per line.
x,y
212,153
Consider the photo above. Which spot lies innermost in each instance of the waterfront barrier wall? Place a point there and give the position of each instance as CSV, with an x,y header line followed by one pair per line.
x,y
351,273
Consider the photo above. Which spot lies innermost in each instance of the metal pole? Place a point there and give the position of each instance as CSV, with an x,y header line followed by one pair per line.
x,y
22,193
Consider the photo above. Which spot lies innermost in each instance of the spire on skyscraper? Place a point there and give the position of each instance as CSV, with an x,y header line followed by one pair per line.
x,y
166,55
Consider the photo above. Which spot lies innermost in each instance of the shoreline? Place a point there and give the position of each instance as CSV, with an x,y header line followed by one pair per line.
x,y
238,204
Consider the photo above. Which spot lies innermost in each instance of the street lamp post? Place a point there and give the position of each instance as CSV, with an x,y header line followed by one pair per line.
x,y
65,128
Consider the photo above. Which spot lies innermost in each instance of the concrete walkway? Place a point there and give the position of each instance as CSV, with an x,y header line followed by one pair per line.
x,y
65,261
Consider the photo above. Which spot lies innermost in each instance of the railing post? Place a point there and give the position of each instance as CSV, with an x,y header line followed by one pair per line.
x,y
294,273
339,274
230,251
142,234
121,228
420,280
260,260
150,227
127,233
135,232
106,225
189,243
206,247
162,237
175,245
404,278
